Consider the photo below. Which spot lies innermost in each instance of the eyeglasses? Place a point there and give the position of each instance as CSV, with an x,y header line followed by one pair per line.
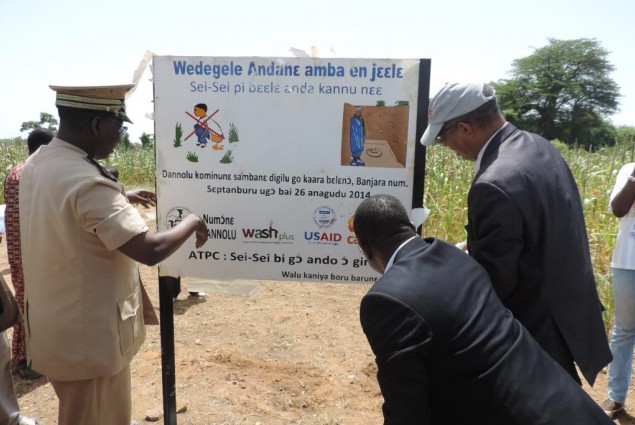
x,y
120,125
444,130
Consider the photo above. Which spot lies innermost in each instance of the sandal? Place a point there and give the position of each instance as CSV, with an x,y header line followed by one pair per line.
x,y
25,420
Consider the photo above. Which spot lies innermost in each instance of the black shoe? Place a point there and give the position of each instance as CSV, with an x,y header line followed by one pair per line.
x,y
611,407
16,368
29,374
25,372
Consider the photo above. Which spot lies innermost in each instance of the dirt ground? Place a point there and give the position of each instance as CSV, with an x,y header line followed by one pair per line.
x,y
287,353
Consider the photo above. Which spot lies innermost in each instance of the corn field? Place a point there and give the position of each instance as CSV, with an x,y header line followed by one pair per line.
x,y
136,165
448,179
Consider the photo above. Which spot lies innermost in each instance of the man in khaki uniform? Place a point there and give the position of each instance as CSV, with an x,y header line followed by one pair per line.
x,y
81,240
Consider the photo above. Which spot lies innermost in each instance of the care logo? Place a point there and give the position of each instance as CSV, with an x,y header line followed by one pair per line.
x,y
351,239
175,216
324,217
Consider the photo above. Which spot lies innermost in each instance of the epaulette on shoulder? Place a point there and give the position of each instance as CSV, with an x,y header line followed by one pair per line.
x,y
101,169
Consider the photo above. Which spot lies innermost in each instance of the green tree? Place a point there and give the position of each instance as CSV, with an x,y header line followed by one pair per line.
x,y
147,140
563,90
626,134
124,142
46,120
625,143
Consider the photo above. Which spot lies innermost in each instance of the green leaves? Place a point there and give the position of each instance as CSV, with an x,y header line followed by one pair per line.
x,y
233,133
563,90
46,121
178,135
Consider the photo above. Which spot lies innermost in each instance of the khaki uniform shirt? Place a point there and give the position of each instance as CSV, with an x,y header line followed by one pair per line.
x,y
83,309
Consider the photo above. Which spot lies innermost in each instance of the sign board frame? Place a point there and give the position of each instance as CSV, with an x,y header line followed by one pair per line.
x,y
169,285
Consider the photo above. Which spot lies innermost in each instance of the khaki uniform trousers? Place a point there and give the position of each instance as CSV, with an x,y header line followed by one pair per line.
x,y
99,401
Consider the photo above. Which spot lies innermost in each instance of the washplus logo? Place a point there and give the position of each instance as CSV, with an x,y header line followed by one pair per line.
x,y
266,235
175,216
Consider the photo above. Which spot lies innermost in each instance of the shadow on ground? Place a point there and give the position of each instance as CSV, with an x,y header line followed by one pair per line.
x,y
182,305
624,418
24,386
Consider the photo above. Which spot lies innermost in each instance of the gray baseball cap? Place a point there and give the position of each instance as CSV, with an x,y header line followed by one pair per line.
x,y
452,101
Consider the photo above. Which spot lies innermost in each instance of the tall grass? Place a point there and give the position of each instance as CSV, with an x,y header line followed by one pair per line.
x,y
12,151
448,179
136,166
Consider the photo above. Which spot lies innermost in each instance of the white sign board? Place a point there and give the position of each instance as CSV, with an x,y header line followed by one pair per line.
x,y
275,154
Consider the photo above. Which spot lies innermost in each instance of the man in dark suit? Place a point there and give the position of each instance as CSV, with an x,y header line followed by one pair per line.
x,y
525,226
447,351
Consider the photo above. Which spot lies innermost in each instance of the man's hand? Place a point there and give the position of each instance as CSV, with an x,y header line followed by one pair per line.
x,y
201,233
143,197
462,246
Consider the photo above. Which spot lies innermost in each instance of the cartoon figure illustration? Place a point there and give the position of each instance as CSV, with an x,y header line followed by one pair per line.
x,y
358,137
217,137
202,128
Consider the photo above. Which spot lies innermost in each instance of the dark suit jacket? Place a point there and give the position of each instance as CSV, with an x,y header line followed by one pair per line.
x,y
448,352
526,227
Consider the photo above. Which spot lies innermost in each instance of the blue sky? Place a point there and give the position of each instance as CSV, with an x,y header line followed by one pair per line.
x,y
73,42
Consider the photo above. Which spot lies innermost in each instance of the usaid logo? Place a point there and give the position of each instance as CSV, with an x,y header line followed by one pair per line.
x,y
324,217
175,216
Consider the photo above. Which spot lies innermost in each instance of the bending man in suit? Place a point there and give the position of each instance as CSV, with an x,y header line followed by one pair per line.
x,y
447,350
525,226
